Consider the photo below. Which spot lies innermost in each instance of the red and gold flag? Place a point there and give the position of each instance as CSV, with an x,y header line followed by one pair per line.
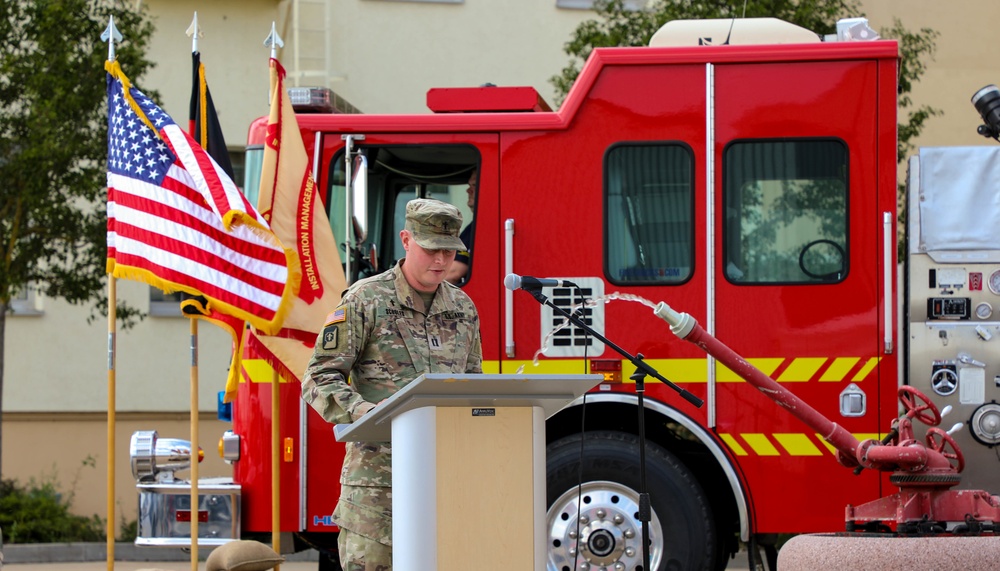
x,y
289,201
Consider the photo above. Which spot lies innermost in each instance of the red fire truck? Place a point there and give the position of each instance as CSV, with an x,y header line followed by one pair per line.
x,y
745,173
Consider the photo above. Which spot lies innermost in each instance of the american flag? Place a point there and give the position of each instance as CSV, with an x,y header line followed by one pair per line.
x,y
177,222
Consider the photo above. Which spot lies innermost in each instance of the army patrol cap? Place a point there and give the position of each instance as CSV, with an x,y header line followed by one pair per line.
x,y
435,225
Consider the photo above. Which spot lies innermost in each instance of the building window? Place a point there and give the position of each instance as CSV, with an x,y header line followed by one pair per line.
x,y
785,206
27,302
589,4
164,304
427,1
238,160
648,194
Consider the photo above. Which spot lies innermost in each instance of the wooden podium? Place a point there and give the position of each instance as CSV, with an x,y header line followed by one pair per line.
x,y
468,467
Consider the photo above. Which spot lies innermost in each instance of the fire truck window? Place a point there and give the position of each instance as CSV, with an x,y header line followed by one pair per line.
x,y
785,205
452,193
648,213
396,175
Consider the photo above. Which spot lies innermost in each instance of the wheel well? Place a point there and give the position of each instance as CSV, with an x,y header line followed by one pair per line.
x,y
671,435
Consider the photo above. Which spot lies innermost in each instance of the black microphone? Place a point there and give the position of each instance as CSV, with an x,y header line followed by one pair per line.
x,y
514,281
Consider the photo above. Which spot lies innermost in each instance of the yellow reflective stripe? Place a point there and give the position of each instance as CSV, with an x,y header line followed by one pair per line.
x,y
766,366
545,367
733,444
797,444
760,444
675,370
692,371
801,369
793,443
860,376
839,369
258,370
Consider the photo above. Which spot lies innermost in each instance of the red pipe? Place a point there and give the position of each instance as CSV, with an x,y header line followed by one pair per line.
x,y
687,328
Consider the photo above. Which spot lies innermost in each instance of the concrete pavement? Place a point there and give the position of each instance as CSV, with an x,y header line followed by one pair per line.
x,y
137,566
128,557
91,557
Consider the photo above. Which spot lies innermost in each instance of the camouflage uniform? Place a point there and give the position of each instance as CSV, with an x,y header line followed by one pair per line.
x,y
383,337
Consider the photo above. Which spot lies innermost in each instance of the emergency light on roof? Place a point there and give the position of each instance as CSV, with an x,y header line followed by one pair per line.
x,y
485,99
318,100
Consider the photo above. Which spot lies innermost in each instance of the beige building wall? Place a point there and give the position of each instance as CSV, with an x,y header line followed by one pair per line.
x,y
383,56
967,59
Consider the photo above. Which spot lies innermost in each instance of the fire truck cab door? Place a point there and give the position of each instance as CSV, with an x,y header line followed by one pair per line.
x,y
798,245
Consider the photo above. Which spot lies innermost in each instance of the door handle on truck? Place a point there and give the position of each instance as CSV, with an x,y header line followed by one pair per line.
x,y
889,264
508,268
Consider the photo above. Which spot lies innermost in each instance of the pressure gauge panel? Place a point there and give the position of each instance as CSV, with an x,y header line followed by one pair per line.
x,y
984,310
994,283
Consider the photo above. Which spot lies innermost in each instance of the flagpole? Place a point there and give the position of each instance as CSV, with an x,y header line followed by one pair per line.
x,y
275,464
111,35
273,41
112,318
194,32
195,448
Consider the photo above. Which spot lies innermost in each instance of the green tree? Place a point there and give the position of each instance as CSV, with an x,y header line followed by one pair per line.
x,y
621,26
53,146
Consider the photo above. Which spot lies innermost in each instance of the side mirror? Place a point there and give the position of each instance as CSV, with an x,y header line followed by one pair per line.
x,y
359,197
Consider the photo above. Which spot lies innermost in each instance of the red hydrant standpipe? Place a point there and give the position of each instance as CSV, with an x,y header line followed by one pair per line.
x,y
923,473
687,328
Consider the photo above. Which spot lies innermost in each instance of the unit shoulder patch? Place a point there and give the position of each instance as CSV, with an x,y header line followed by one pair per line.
x,y
331,335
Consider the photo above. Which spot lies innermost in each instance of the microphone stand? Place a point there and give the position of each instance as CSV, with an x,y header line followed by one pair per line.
x,y
642,370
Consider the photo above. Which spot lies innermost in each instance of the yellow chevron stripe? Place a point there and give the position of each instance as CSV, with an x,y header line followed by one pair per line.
x,y
860,376
766,365
797,444
839,369
760,444
733,444
801,369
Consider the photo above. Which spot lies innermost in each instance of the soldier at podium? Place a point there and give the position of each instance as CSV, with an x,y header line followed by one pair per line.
x,y
388,330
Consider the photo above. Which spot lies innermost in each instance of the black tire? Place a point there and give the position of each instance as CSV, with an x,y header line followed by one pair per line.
x,y
329,562
682,533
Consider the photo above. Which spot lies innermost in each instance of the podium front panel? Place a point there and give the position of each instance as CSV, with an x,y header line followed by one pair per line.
x,y
473,491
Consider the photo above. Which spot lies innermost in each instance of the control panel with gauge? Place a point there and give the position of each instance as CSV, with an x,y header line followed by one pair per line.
x,y
952,300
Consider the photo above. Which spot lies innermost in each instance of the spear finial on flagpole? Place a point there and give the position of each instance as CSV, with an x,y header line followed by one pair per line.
x,y
273,41
111,35
194,32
